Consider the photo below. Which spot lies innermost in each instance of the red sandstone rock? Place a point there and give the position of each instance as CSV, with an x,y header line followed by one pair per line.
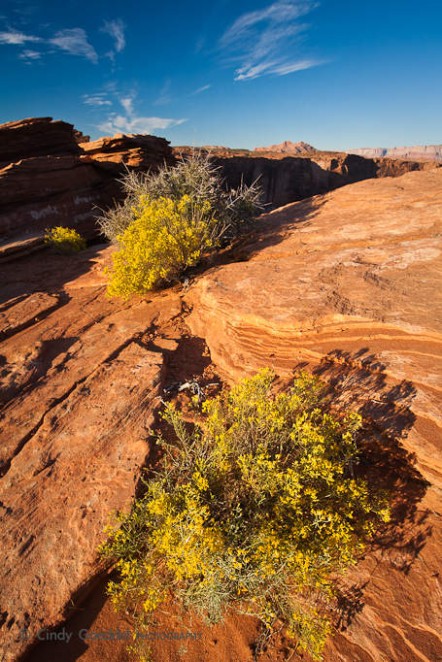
x,y
78,393
47,179
36,136
350,274
355,273
135,151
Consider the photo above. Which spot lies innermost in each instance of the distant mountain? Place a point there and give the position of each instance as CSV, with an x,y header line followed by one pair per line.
x,y
427,152
287,147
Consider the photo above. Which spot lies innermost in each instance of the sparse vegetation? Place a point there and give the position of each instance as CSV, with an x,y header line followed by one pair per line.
x,y
65,240
257,506
169,220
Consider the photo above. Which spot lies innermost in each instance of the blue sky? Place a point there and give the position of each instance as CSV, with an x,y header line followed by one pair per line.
x,y
335,73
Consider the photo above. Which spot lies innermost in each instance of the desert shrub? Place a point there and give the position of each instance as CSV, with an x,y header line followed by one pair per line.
x,y
256,507
169,220
65,240
195,176
166,237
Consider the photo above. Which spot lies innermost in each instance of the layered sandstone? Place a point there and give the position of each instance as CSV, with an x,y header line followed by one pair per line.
x,y
36,136
134,151
47,178
347,283
350,284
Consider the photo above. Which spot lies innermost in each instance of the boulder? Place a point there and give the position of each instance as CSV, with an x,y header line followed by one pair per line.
x,y
134,151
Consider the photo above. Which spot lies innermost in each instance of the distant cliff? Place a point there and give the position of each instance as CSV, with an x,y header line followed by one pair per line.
x,y
427,152
287,147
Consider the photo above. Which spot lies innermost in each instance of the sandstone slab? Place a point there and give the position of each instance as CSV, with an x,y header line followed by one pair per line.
x,y
79,385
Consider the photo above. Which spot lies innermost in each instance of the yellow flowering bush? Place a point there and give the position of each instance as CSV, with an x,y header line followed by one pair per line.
x,y
166,237
65,240
257,507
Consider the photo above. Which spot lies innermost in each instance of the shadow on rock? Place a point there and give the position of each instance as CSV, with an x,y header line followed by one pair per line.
x,y
357,381
46,271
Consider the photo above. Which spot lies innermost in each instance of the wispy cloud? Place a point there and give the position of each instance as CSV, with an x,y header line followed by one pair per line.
x,y
267,41
29,55
14,38
116,30
75,42
98,99
133,123
164,96
201,89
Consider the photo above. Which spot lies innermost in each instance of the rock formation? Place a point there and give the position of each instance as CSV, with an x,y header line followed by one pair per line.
x,y
77,392
139,152
51,175
47,178
36,136
348,283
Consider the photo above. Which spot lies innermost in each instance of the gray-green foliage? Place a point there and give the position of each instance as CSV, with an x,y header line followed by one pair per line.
x,y
196,176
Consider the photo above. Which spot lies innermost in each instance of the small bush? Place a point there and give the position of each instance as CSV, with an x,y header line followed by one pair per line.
x,y
167,237
65,240
196,176
257,507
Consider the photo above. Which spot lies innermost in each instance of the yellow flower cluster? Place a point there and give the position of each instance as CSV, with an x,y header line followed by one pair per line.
x,y
166,237
65,240
258,506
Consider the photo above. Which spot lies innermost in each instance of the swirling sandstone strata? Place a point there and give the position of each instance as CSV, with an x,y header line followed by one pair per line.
x,y
354,273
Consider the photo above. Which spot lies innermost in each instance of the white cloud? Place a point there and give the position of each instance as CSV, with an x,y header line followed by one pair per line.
x,y
132,123
123,124
248,73
96,100
203,88
116,30
29,55
290,67
74,41
266,41
15,38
